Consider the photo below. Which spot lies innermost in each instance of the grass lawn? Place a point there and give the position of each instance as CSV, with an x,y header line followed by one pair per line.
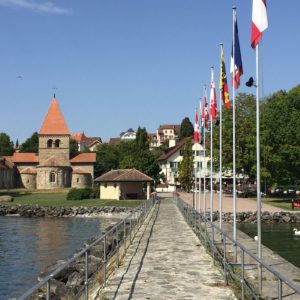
x,y
284,203
58,198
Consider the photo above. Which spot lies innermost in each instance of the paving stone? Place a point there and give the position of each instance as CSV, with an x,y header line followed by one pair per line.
x,y
166,261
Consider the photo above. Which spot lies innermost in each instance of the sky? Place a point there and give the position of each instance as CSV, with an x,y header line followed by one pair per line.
x,y
116,64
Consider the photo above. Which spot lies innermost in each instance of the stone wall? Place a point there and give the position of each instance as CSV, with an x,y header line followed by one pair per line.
x,y
61,177
81,180
29,181
61,153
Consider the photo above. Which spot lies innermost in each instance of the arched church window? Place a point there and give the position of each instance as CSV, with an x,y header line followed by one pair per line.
x,y
52,177
57,143
49,143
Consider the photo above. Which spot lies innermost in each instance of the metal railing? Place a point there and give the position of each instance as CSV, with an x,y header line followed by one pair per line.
x,y
238,264
113,245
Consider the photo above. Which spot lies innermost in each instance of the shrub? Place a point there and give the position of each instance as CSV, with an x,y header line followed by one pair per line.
x,y
79,194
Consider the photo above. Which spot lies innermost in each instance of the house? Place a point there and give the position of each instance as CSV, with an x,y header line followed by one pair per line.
x,y
86,143
128,135
169,163
167,132
51,167
7,174
123,184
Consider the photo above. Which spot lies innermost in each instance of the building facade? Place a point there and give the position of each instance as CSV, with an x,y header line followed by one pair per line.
x,y
51,167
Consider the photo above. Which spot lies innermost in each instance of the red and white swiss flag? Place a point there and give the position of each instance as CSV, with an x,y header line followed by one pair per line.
x,y
259,21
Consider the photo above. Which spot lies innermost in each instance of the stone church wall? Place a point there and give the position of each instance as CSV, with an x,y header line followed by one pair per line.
x,y
53,177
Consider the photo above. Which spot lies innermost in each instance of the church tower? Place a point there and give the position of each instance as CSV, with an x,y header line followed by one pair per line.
x,y
54,170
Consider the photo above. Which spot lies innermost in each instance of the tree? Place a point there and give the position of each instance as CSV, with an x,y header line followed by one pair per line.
x,y
186,128
245,137
139,156
107,158
31,144
186,166
73,148
6,145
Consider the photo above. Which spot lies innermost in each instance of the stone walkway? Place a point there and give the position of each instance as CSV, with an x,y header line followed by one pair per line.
x,y
166,261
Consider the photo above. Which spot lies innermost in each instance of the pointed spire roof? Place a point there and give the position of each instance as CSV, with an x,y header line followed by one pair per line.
x,y
54,122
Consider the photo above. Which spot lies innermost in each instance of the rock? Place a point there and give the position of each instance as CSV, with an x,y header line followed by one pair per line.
x,y
6,198
286,219
75,279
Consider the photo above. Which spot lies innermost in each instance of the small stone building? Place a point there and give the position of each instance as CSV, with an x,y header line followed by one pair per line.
x,y
51,167
123,184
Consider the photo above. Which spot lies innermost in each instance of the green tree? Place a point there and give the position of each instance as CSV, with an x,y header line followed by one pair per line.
x,y
281,138
31,144
73,148
186,128
245,137
6,145
107,158
186,166
139,156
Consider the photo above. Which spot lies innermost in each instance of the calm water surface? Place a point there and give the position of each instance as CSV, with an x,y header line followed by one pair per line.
x,y
279,237
29,245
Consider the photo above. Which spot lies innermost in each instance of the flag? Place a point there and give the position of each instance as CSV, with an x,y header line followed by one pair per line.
x,y
223,82
236,66
213,97
196,129
259,21
205,115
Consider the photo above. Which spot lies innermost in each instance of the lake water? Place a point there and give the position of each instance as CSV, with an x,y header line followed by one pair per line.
x,y
279,237
29,245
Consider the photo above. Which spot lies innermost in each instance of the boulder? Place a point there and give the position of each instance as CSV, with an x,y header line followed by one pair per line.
x,y
6,198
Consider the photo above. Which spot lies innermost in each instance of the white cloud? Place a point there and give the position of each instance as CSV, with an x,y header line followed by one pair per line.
x,y
39,6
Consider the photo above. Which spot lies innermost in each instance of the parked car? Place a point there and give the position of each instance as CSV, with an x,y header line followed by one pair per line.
x,y
291,190
279,191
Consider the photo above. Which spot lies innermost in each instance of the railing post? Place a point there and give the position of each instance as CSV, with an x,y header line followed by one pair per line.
x,y
86,276
224,259
117,239
104,258
243,275
130,231
279,289
124,235
48,296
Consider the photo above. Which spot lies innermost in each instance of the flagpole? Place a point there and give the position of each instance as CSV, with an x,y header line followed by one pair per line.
x,y
221,148
200,137
204,177
195,171
233,132
258,168
211,162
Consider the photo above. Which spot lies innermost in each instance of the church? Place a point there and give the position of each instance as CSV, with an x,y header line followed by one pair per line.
x,y
51,167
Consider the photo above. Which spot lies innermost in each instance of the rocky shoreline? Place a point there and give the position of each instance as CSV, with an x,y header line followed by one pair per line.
x,y
51,211
109,211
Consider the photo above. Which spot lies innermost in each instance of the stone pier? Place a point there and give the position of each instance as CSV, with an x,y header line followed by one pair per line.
x,y
166,261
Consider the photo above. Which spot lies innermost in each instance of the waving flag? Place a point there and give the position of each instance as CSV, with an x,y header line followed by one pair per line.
x,y
236,66
213,97
259,21
196,129
223,82
205,114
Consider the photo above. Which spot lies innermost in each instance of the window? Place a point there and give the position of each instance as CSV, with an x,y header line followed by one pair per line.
x,y
77,179
52,177
49,143
57,142
115,185
105,185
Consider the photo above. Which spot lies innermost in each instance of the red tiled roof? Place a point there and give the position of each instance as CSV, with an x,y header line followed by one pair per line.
x,y
124,175
170,151
19,157
84,158
80,171
113,141
28,171
54,122
53,161
175,127
79,137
